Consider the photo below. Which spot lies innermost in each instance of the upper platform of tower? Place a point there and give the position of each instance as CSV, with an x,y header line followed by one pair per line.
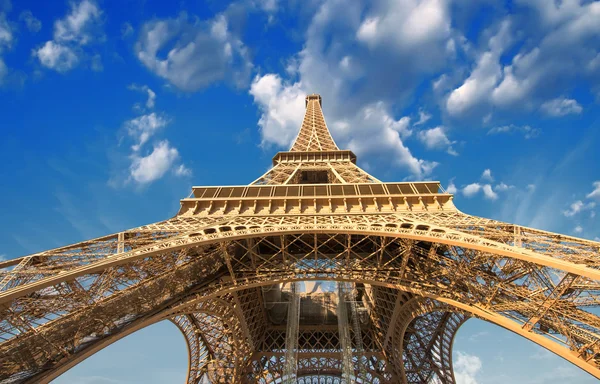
x,y
316,177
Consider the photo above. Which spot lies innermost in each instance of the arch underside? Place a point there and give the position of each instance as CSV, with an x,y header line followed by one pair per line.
x,y
419,285
418,351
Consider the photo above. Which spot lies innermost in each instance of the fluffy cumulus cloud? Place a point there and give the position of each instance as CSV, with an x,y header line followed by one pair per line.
x,y
149,168
59,57
79,25
471,189
79,28
485,186
281,106
555,40
407,25
436,138
561,107
483,78
198,53
374,132
466,368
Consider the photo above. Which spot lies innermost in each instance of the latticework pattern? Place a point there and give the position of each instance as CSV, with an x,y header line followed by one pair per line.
x,y
412,267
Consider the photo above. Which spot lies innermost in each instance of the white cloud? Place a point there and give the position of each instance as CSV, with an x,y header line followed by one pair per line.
x,y
143,127
423,117
147,165
6,35
530,187
487,175
150,102
478,87
489,193
79,25
199,53
33,24
406,24
56,56
466,368
151,99
578,206
182,170
578,229
281,106
436,138
595,194
373,131
561,107
471,189
527,131
561,47
451,188
144,170
78,28
596,238
567,37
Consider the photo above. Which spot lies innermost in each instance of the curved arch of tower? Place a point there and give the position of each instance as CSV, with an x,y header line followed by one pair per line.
x,y
316,272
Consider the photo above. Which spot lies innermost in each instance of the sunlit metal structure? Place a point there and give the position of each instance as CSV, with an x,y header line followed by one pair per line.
x,y
241,270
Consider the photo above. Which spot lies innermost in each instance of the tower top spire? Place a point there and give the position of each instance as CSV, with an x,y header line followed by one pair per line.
x,y
314,134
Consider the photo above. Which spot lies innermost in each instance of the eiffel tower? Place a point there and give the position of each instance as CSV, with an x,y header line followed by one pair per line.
x,y
316,272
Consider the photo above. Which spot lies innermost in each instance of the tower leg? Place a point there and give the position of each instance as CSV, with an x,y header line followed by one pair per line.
x,y
217,345
422,343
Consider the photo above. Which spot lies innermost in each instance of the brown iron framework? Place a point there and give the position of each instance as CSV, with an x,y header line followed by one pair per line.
x,y
414,267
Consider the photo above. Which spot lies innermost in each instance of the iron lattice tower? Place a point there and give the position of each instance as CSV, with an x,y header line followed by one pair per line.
x,y
409,268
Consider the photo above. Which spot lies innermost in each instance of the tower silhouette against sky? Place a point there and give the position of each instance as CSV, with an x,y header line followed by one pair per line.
x,y
316,272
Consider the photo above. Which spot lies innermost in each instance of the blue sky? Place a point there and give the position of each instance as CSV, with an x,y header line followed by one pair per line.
x,y
110,111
